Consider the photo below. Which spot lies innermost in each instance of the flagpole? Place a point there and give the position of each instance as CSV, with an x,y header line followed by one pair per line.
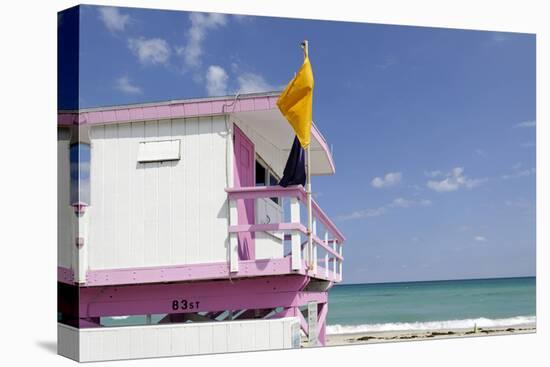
x,y
305,46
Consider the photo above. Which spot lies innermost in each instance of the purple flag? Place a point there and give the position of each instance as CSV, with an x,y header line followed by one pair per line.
x,y
295,169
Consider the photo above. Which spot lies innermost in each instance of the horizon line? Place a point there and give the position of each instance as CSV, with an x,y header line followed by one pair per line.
x,y
439,280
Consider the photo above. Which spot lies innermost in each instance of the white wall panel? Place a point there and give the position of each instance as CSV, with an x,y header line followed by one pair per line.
x,y
97,207
112,343
136,188
158,213
192,180
164,204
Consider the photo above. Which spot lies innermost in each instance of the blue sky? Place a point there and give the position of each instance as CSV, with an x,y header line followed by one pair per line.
x,y
433,130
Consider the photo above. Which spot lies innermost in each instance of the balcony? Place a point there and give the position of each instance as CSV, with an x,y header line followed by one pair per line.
x,y
283,235
280,245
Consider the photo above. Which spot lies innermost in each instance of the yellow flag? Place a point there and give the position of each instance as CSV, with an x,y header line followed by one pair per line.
x,y
296,100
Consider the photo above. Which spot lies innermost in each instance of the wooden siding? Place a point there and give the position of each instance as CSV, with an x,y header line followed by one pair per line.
x,y
158,213
65,213
115,343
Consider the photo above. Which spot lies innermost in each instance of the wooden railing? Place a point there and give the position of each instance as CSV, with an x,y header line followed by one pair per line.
x,y
330,242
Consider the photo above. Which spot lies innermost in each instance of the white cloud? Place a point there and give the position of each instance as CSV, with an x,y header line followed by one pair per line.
x,y
150,51
390,179
530,123
125,85
201,23
235,67
364,213
433,174
518,171
376,212
113,19
216,81
522,173
253,83
454,180
480,239
405,203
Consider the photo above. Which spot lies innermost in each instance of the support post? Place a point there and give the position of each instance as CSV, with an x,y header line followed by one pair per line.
x,y
326,255
295,237
322,323
80,249
233,238
334,260
340,262
305,46
314,252
309,210
313,323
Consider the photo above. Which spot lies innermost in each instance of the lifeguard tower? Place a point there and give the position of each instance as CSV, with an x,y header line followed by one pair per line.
x,y
171,213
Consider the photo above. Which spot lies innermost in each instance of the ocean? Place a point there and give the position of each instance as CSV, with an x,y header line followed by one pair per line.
x,y
431,305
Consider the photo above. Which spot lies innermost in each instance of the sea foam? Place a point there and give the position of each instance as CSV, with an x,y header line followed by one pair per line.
x,y
431,325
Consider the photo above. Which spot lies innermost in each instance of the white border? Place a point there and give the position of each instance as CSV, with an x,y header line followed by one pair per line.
x,y
28,179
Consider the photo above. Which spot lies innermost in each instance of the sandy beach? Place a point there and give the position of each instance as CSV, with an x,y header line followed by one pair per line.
x,y
391,336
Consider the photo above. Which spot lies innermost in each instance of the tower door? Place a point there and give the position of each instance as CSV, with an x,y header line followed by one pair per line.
x,y
244,159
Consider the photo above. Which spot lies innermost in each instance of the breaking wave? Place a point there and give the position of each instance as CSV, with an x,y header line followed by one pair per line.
x,y
431,325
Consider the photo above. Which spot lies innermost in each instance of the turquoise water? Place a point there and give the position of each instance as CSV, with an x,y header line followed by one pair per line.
x,y
431,305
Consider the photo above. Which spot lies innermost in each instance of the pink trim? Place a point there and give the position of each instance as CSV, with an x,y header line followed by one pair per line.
x,y
88,324
181,109
267,227
290,191
220,270
212,303
191,272
244,173
168,110
67,119
123,115
282,227
65,275
255,192
254,293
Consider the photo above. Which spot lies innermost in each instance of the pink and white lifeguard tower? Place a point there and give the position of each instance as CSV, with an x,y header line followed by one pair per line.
x,y
171,211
